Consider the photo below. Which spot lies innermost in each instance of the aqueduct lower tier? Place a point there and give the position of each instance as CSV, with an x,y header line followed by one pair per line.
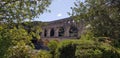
x,y
64,28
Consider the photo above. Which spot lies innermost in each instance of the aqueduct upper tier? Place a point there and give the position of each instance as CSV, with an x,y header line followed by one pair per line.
x,y
63,28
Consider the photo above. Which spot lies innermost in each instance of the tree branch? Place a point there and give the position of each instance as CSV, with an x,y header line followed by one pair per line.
x,y
8,3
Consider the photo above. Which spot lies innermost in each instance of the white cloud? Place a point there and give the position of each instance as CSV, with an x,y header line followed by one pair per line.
x,y
59,14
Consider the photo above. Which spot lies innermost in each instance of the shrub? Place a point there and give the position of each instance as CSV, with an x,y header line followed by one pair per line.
x,y
13,37
52,45
19,52
66,49
95,49
44,54
86,48
27,52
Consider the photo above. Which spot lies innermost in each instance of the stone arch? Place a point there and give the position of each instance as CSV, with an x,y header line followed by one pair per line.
x,y
61,32
52,32
45,33
73,31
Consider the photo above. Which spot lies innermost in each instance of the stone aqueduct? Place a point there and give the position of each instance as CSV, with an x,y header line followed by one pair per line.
x,y
63,28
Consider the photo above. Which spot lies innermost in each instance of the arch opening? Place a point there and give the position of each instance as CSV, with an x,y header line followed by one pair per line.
x,y
45,33
52,32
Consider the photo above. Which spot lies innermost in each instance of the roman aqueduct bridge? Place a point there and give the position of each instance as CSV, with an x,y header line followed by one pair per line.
x,y
63,28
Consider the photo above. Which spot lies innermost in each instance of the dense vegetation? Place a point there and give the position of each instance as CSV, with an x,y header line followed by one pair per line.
x,y
102,15
86,47
100,40
15,38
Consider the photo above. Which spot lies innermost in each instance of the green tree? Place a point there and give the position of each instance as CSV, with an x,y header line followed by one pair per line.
x,y
34,28
10,38
21,10
102,15
12,13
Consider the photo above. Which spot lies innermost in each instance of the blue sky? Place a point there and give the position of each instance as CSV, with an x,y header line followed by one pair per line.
x,y
59,9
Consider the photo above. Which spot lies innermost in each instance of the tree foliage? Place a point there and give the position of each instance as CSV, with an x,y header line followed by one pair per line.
x,y
95,49
52,45
20,10
15,42
102,15
34,28
86,48
66,49
10,38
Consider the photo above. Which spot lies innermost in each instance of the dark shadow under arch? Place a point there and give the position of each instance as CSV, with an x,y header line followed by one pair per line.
x,y
45,33
52,32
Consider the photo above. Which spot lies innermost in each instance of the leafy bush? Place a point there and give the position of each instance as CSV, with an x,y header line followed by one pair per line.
x,y
86,48
27,52
44,54
20,52
99,47
52,45
66,49
13,37
95,49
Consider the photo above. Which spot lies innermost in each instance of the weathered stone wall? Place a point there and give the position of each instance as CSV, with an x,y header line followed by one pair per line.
x,y
70,27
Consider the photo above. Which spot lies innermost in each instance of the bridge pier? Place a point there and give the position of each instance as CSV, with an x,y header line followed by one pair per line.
x,y
48,32
66,33
56,32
